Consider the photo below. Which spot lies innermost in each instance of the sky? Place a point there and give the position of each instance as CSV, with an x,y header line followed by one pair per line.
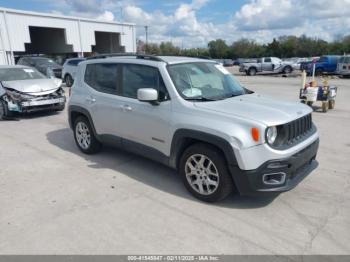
x,y
193,23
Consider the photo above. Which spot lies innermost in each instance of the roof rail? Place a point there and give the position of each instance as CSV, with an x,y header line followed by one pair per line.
x,y
136,55
99,56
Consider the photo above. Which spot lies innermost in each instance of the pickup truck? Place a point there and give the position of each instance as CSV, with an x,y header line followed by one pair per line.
x,y
325,65
267,65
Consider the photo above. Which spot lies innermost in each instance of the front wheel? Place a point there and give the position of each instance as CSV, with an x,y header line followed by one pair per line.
x,y
205,173
4,112
331,104
252,71
287,70
84,136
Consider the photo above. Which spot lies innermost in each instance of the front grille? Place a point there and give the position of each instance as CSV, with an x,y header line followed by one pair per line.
x,y
294,132
298,128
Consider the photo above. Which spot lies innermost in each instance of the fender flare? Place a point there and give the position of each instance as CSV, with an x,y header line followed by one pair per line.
x,y
182,139
82,111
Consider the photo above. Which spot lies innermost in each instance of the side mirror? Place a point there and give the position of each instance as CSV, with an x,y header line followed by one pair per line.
x,y
147,95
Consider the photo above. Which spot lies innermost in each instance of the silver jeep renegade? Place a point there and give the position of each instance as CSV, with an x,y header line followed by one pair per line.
x,y
192,115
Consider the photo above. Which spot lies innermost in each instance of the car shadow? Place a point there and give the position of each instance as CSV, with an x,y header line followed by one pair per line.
x,y
146,171
32,115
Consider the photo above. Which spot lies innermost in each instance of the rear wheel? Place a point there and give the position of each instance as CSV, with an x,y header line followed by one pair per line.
x,y
331,104
84,136
205,174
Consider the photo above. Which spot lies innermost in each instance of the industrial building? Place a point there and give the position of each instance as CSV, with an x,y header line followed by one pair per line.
x,y
23,32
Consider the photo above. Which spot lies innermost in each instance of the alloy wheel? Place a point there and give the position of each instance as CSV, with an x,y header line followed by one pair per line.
x,y
202,174
83,135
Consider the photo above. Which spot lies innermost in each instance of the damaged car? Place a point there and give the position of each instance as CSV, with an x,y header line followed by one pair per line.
x,y
24,89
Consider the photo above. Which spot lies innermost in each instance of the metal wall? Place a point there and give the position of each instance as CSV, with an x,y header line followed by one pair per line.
x,y
80,32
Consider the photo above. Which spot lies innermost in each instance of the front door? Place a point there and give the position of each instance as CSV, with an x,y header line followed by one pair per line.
x,y
142,122
267,64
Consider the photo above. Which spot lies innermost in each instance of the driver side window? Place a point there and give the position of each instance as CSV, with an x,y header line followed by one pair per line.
x,y
136,76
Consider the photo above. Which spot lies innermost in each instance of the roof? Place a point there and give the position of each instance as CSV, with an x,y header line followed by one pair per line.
x,y
182,59
48,15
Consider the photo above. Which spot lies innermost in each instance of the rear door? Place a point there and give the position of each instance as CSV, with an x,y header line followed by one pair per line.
x,y
102,81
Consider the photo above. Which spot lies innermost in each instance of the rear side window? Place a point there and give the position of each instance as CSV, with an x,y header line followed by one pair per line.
x,y
135,77
347,60
102,77
75,62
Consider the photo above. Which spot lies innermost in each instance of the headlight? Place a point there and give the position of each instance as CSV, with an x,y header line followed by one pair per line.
x,y
271,134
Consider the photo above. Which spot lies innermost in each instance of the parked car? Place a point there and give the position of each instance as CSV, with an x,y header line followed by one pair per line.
x,y
219,61
324,65
343,67
24,89
266,65
192,115
45,65
295,62
69,70
240,61
304,65
228,62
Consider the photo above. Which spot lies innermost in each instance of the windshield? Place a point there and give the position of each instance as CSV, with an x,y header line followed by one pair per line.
x,y
14,74
204,81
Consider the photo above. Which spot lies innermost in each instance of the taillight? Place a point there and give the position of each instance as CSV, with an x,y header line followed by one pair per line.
x,y
349,67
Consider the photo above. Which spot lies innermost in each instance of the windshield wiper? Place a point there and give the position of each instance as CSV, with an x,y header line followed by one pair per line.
x,y
199,98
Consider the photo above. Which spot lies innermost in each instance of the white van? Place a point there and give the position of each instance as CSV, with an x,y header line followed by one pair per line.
x,y
343,67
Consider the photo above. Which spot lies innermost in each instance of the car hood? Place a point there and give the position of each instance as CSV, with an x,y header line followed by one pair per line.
x,y
34,86
266,110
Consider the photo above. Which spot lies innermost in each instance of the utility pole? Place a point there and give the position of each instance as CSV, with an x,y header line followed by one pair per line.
x,y
146,30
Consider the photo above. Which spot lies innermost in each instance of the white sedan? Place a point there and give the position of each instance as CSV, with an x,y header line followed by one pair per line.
x,y
24,89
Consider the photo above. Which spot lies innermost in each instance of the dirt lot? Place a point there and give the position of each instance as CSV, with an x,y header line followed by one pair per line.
x,y
55,200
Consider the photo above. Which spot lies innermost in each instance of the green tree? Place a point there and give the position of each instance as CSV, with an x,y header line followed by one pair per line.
x,y
218,49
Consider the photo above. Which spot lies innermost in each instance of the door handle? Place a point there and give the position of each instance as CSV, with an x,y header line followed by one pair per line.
x,y
126,108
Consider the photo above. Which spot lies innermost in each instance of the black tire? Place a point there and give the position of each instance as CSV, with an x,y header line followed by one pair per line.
x,y
287,70
94,145
319,72
61,108
224,182
309,103
331,104
68,80
324,107
4,112
251,71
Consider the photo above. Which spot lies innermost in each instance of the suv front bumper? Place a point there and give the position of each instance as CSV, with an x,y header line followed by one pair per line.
x,y
292,170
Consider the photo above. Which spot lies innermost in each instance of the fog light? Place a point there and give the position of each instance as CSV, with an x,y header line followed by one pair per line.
x,y
274,178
